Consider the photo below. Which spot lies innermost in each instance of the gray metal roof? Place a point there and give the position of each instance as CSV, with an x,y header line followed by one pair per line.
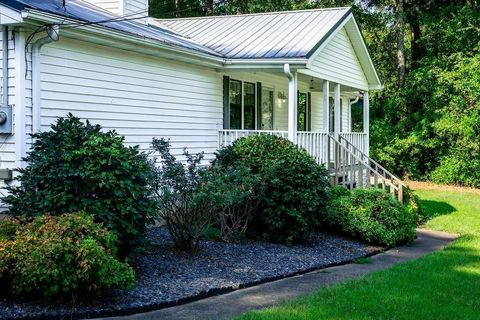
x,y
91,14
290,34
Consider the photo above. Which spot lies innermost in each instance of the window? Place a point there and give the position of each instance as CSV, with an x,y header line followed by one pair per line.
x,y
302,112
332,114
249,103
267,109
242,105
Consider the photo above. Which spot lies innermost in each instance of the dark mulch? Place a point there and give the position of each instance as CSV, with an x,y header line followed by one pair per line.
x,y
166,277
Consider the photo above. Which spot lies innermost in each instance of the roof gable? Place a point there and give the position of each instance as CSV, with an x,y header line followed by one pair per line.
x,y
346,45
289,34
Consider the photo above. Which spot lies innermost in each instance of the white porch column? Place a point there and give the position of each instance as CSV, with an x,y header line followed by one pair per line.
x,y
337,114
292,103
326,106
366,121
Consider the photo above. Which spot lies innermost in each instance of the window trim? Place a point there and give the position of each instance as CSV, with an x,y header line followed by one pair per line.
x,y
227,124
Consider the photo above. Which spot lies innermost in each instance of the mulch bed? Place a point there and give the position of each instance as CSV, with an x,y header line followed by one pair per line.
x,y
166,277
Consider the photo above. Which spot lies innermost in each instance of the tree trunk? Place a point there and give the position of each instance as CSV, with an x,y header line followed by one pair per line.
x,y
178,4
209,7
400,25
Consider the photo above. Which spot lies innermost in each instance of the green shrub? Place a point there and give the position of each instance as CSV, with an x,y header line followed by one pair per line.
x,y
292,193
234,191
75,166
185,211
373,216
55,256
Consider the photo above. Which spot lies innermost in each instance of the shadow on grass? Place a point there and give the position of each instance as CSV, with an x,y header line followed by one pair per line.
x,y
433,209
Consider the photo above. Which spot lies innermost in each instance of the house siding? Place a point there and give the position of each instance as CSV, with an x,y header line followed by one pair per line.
x,y
338,62
138,96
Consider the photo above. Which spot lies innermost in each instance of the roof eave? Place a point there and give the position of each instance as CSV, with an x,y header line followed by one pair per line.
x,y
195,56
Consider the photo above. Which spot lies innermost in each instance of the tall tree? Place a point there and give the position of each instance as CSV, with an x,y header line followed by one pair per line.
x,y
400,26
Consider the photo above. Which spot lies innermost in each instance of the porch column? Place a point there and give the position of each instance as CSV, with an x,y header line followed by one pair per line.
x,y
366,121
337,113
292,103
326,106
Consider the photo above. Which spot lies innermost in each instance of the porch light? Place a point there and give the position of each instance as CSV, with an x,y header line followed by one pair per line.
x,y
312,85
282,96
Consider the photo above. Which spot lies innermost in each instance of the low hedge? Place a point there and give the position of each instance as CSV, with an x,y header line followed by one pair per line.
x,y
370,215
55,257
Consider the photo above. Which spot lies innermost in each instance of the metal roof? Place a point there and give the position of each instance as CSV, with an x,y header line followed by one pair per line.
x,y
289,34
91,14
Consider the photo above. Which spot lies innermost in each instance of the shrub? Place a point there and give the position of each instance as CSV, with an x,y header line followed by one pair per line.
x,y
186,211
372,216
75,166
235,193
54,256
292,192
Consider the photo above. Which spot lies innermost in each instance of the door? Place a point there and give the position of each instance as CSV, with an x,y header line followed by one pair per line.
x,y
267,109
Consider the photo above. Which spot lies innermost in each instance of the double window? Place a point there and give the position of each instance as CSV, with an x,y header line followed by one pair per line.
x,y
249,106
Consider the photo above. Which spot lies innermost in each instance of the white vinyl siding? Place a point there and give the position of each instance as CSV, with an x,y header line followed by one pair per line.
x,y
135,6
114,6
338,62
138,96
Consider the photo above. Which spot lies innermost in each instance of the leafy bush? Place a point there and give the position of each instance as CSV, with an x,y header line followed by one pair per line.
x,y
372,216
186,211
292,192
75,166
54,256
235,193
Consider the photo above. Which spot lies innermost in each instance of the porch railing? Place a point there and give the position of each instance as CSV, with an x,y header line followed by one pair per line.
x,y
358,139
227,137
316,144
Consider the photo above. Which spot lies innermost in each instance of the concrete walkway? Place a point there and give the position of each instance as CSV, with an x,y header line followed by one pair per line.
x,y
235,303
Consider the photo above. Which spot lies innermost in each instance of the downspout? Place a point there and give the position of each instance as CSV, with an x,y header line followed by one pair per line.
x,y
352,102
5,65
52,35
292,103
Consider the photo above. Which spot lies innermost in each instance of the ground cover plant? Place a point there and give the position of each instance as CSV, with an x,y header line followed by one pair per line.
x,y
441,285
293,187
60,257
76,166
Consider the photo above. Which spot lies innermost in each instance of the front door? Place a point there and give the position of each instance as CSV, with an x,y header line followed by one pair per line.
x,y
267,109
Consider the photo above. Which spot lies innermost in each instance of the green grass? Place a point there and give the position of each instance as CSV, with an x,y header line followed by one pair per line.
x,y
441,285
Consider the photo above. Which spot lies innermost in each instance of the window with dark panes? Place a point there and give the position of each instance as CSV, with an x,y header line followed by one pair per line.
x,y
235,98
302,109
249,102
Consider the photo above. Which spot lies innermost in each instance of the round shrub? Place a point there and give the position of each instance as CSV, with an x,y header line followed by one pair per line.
x,y
74,167
292,193
55,256
373,216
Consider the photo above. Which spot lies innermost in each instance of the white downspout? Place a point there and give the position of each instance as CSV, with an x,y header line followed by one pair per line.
x,y
5,65
292,102
352,102
52,35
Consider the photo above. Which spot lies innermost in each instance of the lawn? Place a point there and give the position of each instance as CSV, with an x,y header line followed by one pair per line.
x,y
442,285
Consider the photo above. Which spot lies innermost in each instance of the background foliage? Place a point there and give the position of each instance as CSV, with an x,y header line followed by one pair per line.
x,y
427,125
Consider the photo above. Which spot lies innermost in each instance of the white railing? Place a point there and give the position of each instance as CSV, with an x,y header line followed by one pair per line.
x,y
227,137
316,144
358,139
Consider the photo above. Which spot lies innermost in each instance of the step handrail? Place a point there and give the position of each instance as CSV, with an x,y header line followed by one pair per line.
x,y
386,174
367,166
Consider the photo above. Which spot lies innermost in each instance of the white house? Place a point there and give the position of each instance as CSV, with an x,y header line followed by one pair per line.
x,y
202,82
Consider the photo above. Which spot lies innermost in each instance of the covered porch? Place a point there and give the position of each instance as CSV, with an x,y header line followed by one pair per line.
x,y
298,106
